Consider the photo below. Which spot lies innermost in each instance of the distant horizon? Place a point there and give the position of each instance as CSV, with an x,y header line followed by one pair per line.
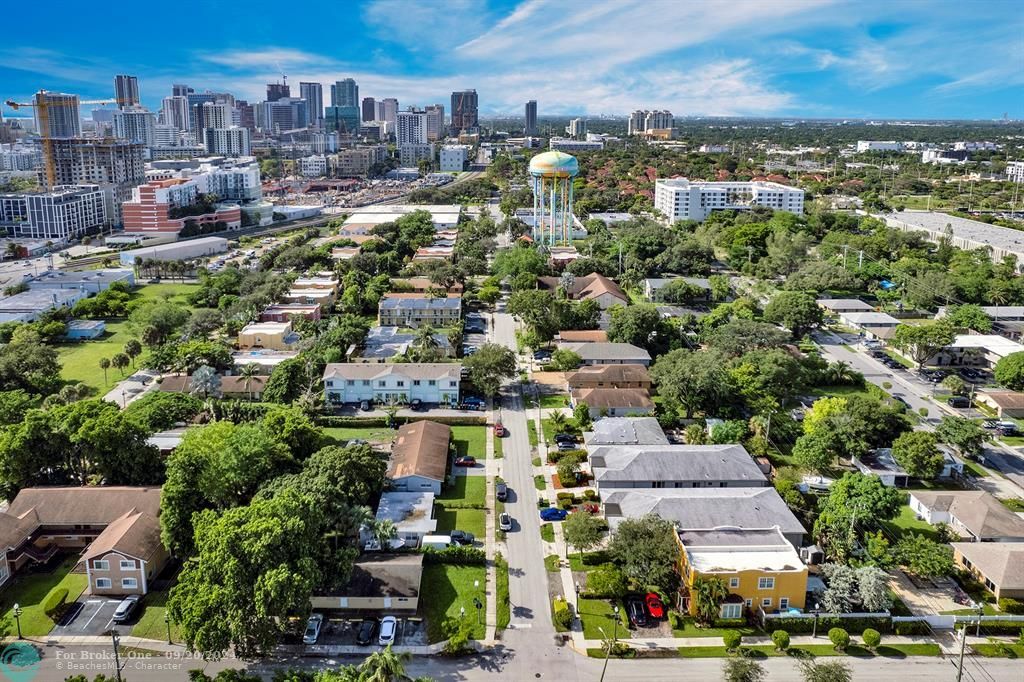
x,y
803,59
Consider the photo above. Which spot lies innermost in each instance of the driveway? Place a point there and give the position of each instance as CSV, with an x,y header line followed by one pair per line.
x,y
90,615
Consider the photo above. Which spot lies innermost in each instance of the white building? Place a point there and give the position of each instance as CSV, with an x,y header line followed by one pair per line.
x,y
645,121
192,248
135,124
564,144
577,129
313,166
879,146
174,112
435,122
66,212
680,199
1015,171
433,382
411,127
409,155
454,157
231,141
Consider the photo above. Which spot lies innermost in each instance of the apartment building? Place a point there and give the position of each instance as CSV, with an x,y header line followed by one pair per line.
x,y
413,310
429,382
66,212
165,206
681,199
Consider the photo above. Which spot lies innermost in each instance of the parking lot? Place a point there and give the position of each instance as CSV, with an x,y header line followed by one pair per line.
x,y
342,632
90,615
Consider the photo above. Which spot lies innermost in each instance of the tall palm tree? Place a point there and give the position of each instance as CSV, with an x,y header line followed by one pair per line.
x,y
708,593
558,421
105,365
384,530
248,373
424,342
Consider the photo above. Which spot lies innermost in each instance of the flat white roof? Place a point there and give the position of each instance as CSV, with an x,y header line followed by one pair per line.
x,y
712,560
870,318
1005,238
845,303
266,327
999,345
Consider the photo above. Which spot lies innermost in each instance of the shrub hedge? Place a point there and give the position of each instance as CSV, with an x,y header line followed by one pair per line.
x,y
825,623
1011,606
55,602
912,627
337,421
458,555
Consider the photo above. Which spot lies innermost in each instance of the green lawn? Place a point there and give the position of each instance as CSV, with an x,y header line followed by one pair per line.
x,y
547,532
470,440
504,605
465,491
470,520
499,448
589,561
906,522
976,469
597,613
29,591
446,589
531,432
1014,504
868,391
372,434
540,482
689,629
549,400
551,563
80,360
177,292
151,623
999,651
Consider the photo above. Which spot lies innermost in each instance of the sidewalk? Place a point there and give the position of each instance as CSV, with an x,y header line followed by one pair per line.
x,y
492,469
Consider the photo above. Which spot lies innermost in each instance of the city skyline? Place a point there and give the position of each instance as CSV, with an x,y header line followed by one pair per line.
x,y
813,58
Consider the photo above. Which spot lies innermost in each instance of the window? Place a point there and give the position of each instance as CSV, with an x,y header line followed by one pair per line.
x,y
330,383
127,565
101,565
657,484
381,384
452,384
350,382
783,603
129,583
432,382
102,583
416,382
734,583
767,601
749,603
766,583
366,382
732,610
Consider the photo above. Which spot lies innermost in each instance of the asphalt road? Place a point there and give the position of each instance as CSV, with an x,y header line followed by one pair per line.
x,y
504,664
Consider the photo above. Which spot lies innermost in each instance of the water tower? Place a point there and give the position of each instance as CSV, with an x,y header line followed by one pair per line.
x,y
553,174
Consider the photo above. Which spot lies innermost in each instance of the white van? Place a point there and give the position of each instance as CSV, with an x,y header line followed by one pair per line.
x,y
436,541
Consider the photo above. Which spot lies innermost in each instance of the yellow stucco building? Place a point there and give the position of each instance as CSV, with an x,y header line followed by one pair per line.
x,y
759,566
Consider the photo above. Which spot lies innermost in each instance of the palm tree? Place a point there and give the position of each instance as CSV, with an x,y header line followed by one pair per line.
x,y
384,530
105,365
120,361
565,282
708,593
248,373
205,381
133,349
840,373
424,342
384,666
558,421
13,250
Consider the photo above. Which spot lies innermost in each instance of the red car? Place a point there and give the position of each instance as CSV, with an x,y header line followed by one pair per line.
x,y
499,430
654,606
466,461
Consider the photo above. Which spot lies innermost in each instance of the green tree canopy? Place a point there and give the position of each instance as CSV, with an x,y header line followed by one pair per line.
x,y
923,341
1009,371
917,453
489,365
647,550
794,310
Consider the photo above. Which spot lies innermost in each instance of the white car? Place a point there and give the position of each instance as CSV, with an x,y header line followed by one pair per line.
x,y
388,629
313,626
504,521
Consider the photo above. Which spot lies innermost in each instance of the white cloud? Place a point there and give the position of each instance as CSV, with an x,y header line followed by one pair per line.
x,y
424,24
273,57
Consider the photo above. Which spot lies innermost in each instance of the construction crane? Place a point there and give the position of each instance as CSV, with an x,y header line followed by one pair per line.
x,y
42,107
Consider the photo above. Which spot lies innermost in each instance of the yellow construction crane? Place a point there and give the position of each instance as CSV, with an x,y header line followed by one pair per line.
x,y
42,107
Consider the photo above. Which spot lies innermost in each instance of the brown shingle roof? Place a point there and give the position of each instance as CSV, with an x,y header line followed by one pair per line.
x,y
1006,399
420,449
614,398
134,534
586,287
979,511
385,575
1000,562
610,374
583,336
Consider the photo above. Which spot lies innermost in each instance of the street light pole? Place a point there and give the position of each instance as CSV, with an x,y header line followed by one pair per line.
x,y
117,661
167,619
814,632
578,599
17,618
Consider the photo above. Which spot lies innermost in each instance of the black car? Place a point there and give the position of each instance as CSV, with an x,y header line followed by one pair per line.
x,y
367,630
473,329
417,406
959,401
637,612
461,537
501,491
565,438
969,373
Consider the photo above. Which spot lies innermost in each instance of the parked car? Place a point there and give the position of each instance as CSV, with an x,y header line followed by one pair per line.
x,y
1005,428
467,461
461,537
499,430
472,402
969,373
565,438
313,626
990,424
501,491
654,606
388,630
468,350
367,629
542,354
959,401
417,405
504,522
637,612
553,514
438,542
365,406
901,400
567,446
126,609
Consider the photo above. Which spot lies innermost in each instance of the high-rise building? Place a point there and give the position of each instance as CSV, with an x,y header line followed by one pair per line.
x,y
287,113
57,115
343,120
181,90
464,112
64,212
345,93
276,91
577,129
174,112
646,121
411,127
680,199
246,114
1015,171
116,166
165,135
390,112
435,122
231,141
369,109
531,118
126,91
313,93
216,115
135,124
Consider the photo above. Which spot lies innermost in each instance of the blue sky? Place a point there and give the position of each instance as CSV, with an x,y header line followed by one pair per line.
x,y
810,58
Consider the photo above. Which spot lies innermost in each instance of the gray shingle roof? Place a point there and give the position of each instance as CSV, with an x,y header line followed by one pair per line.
x,y
675,463
1000,562
607,351
626,431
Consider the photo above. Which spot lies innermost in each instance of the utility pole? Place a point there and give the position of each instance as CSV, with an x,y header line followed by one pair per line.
x,y
860,259
846,247
963,646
